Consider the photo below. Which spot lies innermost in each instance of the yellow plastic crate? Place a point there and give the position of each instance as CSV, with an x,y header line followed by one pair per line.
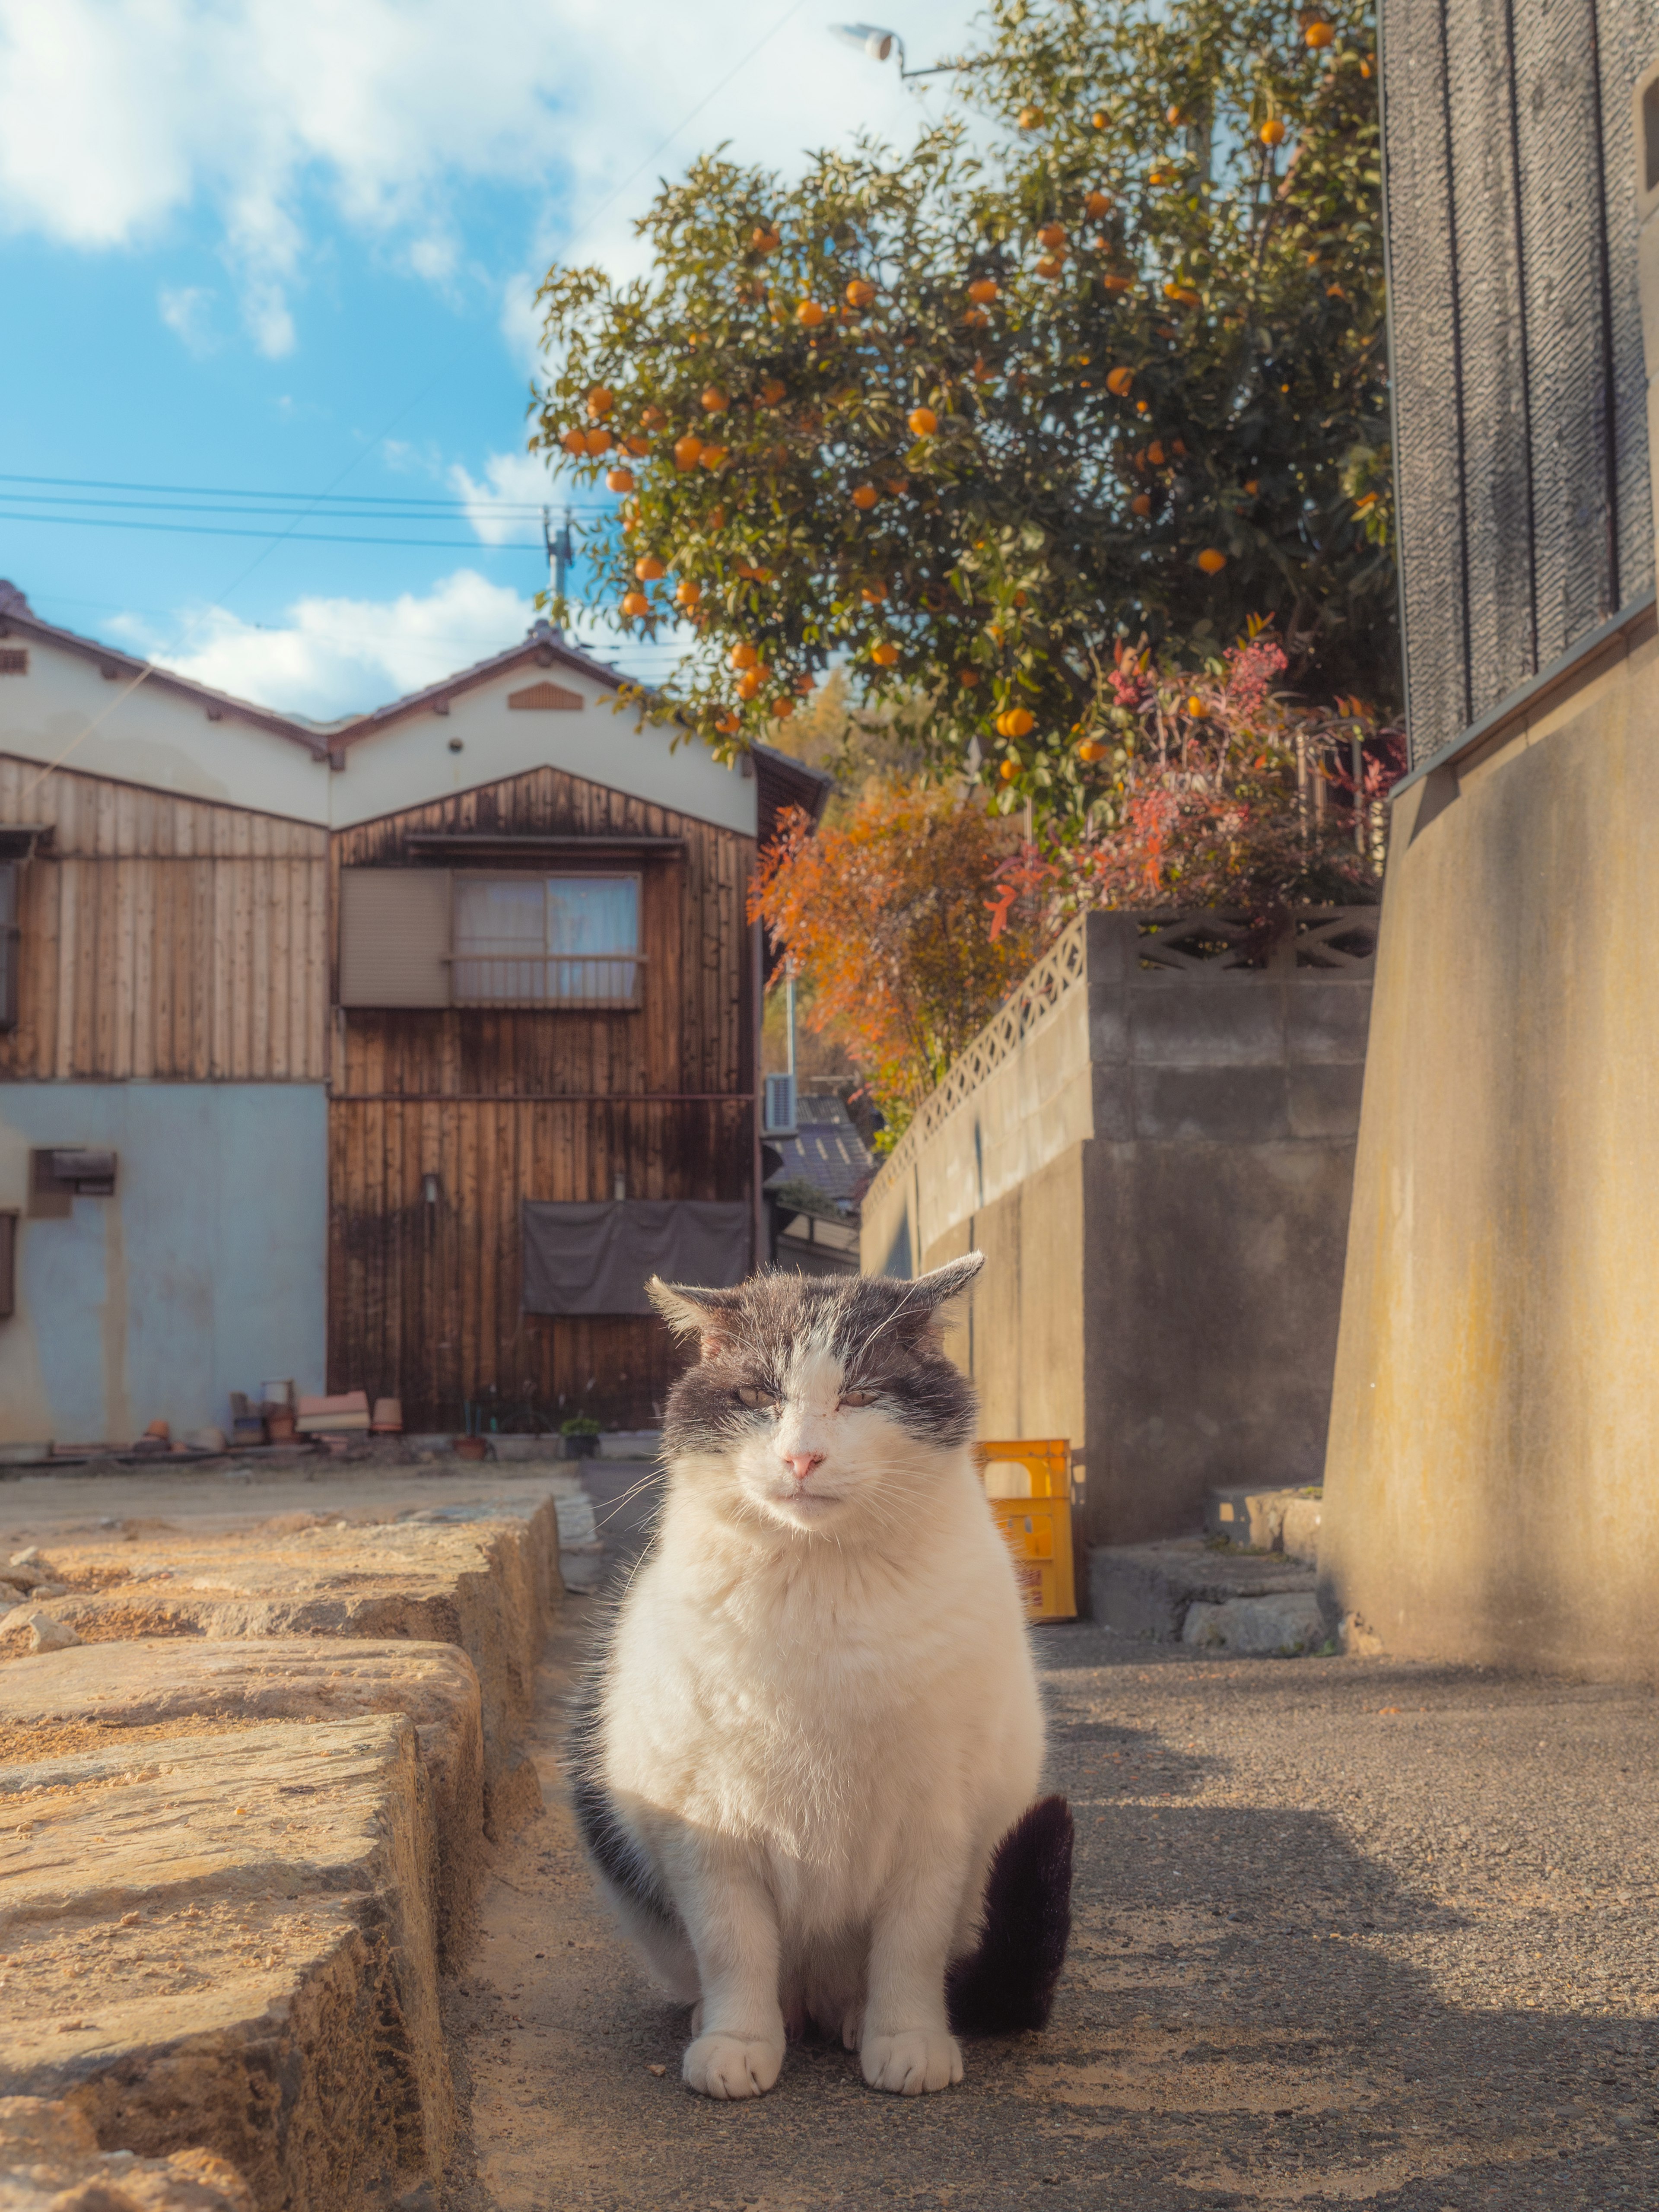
x,y
1037,1527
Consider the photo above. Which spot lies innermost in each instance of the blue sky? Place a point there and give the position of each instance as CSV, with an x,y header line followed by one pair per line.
x,y
279,248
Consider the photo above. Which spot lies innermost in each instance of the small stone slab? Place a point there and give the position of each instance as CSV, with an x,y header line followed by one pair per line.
x,y
89,1698
1283,1625
1145,1589
50,2161
224,1943
480,1573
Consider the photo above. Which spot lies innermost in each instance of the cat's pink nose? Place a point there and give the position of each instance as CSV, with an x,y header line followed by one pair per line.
x,y
800,1464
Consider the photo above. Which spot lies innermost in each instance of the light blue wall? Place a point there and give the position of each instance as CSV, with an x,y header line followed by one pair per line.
x,y
206,1273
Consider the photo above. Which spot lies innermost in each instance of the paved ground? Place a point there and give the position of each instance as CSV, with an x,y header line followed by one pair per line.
x,y
1348,1933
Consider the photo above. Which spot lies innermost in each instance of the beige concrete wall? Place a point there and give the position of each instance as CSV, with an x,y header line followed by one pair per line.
x,y
1491,1483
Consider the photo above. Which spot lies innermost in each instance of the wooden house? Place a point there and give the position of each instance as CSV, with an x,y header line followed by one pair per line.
x,y
345,1002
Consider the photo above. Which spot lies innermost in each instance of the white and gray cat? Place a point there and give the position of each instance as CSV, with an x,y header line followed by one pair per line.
x,y
806,1754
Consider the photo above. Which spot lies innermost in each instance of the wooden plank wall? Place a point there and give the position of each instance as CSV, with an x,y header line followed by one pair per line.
x,y
501,1106
166,937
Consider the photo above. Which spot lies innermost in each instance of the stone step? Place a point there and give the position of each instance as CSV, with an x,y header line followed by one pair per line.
x,y
50,2160
480,1571
115,1696
1189,1590
224,1943
1267,1520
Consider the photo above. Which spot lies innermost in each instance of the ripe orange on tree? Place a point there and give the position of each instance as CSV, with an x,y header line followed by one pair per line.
x,y
1098,203
749,681
598,441
765,239
809,314
715,401
1320,36
772,391
574,440
1116,281
1015,722
783,707
742,655
637,444
866,495
874,591
983,290
652,417
687,593
636,603
860,292
647,568
1028,117
1118,381
1092,749
1141,504
885,655
600,402
619,479
713,457
1272,131
1008,771
968,678
1052,233
974,319
1211,562
1051,266
923,422
687,450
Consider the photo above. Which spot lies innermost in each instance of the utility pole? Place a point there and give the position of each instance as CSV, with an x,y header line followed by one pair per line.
x,y
560,553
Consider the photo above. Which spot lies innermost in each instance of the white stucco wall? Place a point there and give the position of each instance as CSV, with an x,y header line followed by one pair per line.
x,y
162,736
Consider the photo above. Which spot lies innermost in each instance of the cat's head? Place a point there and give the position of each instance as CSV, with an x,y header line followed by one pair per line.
x,y
817,1401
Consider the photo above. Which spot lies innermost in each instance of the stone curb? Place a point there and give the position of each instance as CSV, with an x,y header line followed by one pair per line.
x,y
270,1752
225,1944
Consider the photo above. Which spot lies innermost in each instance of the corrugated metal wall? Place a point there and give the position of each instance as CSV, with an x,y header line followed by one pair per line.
x,y
1519,395
165,938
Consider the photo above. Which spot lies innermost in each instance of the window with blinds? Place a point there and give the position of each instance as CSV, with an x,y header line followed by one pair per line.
x,y
546,941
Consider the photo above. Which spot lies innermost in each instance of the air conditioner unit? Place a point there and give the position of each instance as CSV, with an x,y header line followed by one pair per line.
x,y
778,1118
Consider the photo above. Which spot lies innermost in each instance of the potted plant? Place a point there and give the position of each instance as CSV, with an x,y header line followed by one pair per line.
x,y
580,1434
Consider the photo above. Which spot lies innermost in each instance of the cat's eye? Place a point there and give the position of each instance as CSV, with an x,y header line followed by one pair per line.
x,y
750,1394
857,1397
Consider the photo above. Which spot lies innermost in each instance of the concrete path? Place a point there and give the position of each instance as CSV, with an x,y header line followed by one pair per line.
x,y
1348,1933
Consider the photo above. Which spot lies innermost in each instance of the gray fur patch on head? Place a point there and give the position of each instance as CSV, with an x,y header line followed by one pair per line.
x,y
884,1332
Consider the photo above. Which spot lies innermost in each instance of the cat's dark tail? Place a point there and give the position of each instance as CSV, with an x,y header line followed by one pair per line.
x,y
1008,1984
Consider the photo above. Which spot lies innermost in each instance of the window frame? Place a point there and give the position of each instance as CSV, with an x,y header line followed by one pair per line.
x,y
544,876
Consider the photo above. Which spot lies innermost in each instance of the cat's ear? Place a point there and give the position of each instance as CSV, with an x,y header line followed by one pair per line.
x,y
920,1311
933,1290
691,1311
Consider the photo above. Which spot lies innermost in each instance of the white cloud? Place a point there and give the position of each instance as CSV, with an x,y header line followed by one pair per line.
x,y
116,115
187,311
511,481
333,657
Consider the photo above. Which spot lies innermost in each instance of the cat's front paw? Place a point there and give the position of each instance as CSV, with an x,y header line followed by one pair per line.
x,y
731,2066
916,2059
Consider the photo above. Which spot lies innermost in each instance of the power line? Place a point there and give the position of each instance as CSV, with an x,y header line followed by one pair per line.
x,y
290,537
460,503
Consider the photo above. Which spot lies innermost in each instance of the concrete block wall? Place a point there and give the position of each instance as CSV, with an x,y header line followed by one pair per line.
x,y
1157,1162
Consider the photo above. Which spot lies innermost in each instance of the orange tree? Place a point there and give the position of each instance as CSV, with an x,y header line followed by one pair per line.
x,y
964,421
883,910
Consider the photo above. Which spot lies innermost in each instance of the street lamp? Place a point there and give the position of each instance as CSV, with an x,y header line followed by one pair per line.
x,y
880,45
